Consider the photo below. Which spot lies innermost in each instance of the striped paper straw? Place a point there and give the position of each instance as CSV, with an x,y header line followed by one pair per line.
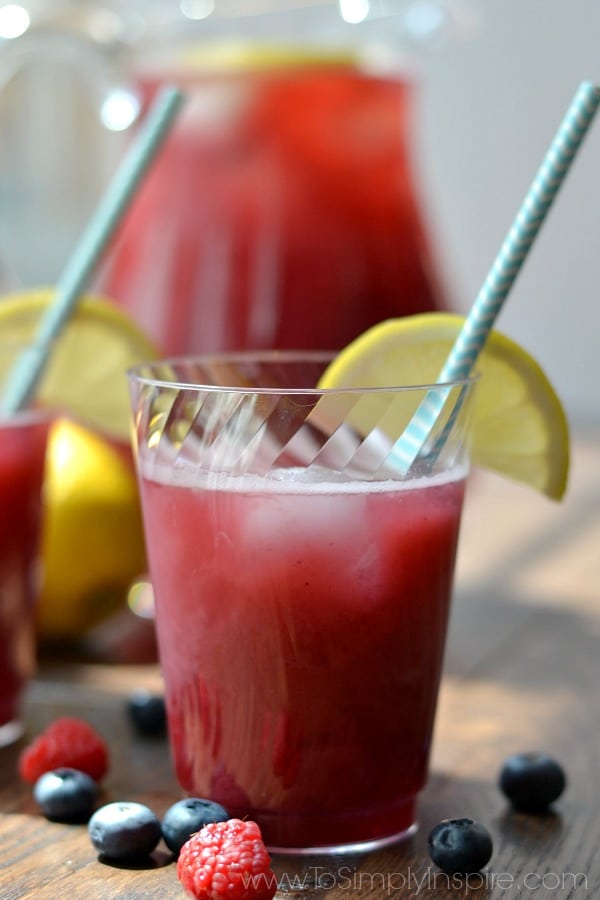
x,y
503,272
30,366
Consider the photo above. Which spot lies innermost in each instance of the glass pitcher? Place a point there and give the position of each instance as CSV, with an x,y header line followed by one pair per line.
x,y
285,208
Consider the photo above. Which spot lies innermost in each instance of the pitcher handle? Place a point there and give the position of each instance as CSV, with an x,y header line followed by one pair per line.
x,y
98,65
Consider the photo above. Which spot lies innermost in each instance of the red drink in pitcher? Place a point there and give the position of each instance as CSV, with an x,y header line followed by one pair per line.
x,y
22,453
282,212
302,626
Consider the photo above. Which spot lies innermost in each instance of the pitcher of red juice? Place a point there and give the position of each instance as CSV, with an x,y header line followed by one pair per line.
x,y
282,213
286,208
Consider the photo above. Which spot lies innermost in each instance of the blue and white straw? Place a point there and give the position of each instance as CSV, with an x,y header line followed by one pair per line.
x,y
30,366
503,272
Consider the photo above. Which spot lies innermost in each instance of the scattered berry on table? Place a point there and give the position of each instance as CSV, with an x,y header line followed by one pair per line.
x,y
532,781
188,816
227,860
124,830
66,795
147,713
68,742
460,846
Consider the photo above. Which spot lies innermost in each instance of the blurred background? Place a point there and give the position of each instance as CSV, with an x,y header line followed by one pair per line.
x,y
490,107
489,80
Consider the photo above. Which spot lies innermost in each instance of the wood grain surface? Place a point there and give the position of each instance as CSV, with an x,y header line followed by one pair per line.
x,y
522,672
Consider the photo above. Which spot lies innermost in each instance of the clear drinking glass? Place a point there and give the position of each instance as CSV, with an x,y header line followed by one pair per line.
x,y
22,455
302,586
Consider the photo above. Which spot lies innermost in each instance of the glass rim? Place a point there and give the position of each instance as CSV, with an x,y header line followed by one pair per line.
x,y
140,374
31,415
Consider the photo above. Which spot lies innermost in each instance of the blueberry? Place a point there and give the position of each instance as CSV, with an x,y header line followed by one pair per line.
x,y
147,713
188,816
460,846
66,795
532,781
124,830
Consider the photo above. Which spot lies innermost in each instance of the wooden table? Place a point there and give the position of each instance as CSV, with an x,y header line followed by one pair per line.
x,y
521,673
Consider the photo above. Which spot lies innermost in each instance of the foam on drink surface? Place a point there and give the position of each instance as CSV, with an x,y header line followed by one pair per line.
x,y
293,480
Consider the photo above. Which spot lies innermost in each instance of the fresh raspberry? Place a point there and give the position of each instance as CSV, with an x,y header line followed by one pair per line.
x,y
227,859
67,742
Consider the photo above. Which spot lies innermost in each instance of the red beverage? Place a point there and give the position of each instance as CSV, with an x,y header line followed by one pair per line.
x,y
22,451
301,628
282,212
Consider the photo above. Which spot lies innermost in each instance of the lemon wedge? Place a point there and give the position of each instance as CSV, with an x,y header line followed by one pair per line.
x,y
519,425
86,373
92,536
246,56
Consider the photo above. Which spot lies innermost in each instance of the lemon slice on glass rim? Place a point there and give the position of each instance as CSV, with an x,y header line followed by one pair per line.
x,y
85,376
519,426
92,538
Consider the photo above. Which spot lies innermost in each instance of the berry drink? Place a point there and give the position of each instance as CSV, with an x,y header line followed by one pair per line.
x,y
301,629
22,451
302,584
283,211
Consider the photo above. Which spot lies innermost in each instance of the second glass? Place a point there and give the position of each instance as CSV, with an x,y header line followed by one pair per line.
x,y
23,439
302,587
